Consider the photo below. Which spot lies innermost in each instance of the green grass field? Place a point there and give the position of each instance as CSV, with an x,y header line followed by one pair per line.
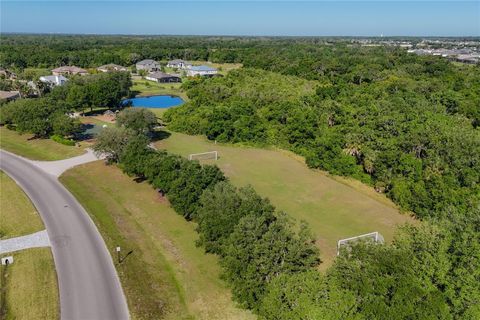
x,y
335,208
18,215
147,88
37,149
29,285
166,276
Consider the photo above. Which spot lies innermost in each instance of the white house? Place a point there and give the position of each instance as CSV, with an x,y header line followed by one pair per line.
x,y
148,65
179,64
54,80
201,71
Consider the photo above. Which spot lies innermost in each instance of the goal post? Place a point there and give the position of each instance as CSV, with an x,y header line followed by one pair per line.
x,y
203,155
374,237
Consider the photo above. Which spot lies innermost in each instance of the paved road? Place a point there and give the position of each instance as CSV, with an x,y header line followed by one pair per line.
x,y
88,283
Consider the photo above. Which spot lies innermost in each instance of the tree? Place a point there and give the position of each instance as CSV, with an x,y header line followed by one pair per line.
x,y
65,126
139,120
220,210
259,250
111,143
307,295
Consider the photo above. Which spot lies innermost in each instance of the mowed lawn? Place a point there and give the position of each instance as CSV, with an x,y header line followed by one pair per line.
x,y
145,87
29,285
334,208
37,149
166,276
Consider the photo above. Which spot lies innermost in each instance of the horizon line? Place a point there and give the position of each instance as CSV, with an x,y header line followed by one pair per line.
x,y
239,35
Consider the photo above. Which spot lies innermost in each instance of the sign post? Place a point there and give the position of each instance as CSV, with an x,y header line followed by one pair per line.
x,y
118,254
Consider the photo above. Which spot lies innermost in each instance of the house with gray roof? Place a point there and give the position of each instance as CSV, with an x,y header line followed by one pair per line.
x,y
202,71
148,65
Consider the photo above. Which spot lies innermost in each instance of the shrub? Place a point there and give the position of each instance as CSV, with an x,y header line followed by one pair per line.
x,y
62,140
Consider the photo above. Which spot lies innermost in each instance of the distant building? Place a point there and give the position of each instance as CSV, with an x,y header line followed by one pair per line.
x,y
9,95
148,65
54,80
163,77
202,71
6,74
69,70
179,64
468,58
111,67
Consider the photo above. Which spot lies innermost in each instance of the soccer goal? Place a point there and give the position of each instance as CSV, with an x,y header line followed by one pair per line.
x,y
203,156
374,237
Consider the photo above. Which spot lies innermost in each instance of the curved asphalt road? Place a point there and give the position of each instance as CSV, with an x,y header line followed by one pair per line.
x,y
88,283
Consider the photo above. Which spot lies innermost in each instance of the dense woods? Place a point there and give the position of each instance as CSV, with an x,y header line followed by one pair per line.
x,y
390,133
406,125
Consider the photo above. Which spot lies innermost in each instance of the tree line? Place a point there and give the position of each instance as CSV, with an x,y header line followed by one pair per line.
x,y
429,271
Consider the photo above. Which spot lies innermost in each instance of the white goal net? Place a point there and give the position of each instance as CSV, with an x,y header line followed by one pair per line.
x,y
374,237
204,156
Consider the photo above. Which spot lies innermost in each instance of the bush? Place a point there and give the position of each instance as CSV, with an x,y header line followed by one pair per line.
x,y
62,140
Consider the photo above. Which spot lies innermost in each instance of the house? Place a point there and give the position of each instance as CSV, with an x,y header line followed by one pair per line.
x,y
179,64
6,74
163,77
468,58
148,65
54,80
202,71
111,67
69,70
9,95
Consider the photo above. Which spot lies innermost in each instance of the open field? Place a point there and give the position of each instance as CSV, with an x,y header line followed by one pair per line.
x,y
334,208
148,88
29,286
166,276
18,215
37,149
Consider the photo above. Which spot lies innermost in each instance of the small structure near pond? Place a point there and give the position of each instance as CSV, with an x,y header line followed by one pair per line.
x,y
163,77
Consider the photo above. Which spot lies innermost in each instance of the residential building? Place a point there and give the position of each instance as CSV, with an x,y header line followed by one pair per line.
x,y
163,77
202,71
9,95
54,81
148,65
111,67
7,74
179,64
69,70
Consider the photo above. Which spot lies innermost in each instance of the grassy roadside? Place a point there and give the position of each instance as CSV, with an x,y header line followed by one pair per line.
x,y
37,149
333,209
18,216
29,285
166,276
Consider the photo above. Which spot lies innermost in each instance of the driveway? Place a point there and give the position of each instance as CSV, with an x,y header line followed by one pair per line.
x,y
88,283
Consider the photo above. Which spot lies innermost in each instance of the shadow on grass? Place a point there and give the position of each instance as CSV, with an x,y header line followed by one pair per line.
x,y
160,135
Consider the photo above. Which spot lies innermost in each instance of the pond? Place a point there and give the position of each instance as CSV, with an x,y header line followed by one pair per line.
x,y
155,101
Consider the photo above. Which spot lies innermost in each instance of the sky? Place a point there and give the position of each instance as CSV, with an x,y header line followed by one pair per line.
x,y
274,18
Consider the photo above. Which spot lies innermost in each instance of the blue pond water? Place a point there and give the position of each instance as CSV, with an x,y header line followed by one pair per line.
x,y
155,101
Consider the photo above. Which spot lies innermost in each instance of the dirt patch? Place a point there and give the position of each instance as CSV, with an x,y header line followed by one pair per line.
x,y
105,118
